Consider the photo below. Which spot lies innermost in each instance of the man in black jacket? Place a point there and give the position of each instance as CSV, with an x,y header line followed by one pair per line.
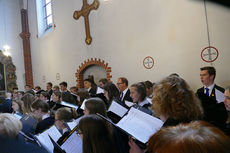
x,y
122,84
211,96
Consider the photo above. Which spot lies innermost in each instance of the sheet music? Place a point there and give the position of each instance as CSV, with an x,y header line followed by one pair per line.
x,y
140,125
117,109
73,144
17,116
219,96
83,104
100,90
129,103
69,105
149,100
73,124
45,140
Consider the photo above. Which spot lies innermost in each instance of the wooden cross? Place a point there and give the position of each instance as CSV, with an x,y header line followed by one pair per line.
x,y
85,10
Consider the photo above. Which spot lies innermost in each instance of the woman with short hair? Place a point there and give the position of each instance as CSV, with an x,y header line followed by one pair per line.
x,y
175,102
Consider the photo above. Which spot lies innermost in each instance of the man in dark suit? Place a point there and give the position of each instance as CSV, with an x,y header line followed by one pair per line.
x,y
149,89
213,91
73,91
63,86
211,96
90,86
44,96
122,85
49,86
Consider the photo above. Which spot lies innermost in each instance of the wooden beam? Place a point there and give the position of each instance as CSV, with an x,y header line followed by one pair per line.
x,y
25,35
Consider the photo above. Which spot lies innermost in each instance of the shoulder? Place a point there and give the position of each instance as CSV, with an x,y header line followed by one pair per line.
x,y
48,120
44,124
219,88
200,90
19,146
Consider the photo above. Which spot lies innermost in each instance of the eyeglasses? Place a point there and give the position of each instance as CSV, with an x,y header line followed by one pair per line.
x,y
227,97
119,83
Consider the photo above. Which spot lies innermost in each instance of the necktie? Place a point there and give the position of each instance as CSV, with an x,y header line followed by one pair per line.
x,y
121,96
207,91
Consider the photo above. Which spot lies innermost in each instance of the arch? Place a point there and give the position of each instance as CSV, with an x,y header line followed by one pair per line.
x,y
88,63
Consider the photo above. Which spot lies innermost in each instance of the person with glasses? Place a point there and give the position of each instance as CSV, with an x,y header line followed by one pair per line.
x,y
227,100
227,106
122,85
96,135
63,115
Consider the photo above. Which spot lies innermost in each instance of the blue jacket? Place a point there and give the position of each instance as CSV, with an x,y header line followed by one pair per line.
x,y
6,107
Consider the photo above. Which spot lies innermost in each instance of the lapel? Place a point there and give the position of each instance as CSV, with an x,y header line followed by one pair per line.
x,y
213,93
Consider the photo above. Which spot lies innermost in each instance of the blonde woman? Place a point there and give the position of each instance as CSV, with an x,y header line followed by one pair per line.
x,y
9,125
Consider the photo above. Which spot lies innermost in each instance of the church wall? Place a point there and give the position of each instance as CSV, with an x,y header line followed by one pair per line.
x,y
9,34
125,32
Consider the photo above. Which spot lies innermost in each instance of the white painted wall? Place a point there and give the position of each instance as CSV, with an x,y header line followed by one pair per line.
x,y
125,32
10,28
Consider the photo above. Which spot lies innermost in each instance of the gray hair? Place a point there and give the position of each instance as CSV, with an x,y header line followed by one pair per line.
x,y
9,125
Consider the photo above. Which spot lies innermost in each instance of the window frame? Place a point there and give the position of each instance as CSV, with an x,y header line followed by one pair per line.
x,y
46,16
43,28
